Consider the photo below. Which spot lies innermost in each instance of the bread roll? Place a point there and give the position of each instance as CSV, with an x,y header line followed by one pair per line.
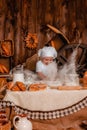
x,y
6,49
15,88
21,86
10,85
37,87
3,69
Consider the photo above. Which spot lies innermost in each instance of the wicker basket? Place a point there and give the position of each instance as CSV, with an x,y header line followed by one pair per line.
x,y
7,126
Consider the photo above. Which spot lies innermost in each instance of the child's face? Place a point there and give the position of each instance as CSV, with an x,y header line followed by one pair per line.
x,y
47,60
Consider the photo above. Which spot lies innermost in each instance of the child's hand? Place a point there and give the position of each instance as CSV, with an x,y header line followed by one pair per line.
x,y
41,76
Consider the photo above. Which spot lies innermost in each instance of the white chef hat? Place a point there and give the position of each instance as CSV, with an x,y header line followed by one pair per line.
x,y
47,52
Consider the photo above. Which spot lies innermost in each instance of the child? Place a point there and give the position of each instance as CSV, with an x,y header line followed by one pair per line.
x,y
46,67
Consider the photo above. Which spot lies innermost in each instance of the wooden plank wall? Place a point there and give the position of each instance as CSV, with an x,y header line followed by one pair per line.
x,y
18,17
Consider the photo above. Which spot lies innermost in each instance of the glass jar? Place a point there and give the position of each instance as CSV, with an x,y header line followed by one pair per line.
x,y
18,74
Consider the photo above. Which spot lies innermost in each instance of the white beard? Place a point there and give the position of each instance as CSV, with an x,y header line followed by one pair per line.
x,y
51,71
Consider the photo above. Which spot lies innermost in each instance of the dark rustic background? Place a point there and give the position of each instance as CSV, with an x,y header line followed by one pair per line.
x,y
19,17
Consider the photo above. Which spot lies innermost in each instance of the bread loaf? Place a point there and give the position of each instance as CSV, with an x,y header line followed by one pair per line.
x,y
3,82
21,86
18,86
37,87
6,49
10,85
3,117
3,69
15,88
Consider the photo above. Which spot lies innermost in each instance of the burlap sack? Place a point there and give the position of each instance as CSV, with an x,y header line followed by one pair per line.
x,y
31,62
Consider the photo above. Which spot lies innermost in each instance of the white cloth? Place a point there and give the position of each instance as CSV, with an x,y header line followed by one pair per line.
x,y
47,52
45,100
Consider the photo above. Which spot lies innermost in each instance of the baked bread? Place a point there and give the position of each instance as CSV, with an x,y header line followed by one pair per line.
x,y
3,69
21,86
37,87
3,117
3,82
18,86
15,88
6,49
85,80
10,85
69,87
